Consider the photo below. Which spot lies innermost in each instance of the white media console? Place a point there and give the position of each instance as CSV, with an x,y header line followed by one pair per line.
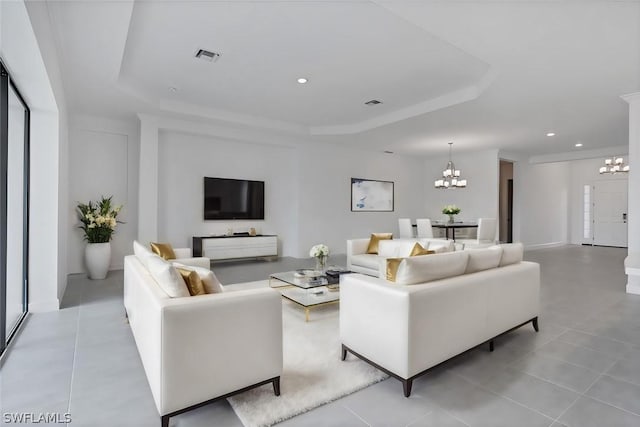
x,y
236,246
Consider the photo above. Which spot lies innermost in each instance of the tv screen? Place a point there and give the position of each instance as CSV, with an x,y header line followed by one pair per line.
x,y
233,199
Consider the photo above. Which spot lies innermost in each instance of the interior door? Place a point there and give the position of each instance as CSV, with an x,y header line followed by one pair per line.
x,y
610,213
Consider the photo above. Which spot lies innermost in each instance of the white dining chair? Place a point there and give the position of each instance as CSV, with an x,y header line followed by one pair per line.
x,y
424,228
406,229
486,235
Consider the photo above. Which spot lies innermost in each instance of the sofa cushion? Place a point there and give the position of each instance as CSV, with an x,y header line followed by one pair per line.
x,y
512,253
163,250
211,283
366,260
193,281
483,259
441,246
167,277
397,248
422,269
374,239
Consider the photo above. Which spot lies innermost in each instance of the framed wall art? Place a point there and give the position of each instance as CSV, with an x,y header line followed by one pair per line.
x,y
369,195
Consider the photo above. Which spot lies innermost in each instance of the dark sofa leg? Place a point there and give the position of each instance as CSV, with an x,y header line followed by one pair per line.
x,y
344,353
535,324
491,345
406,387
164,421
276,386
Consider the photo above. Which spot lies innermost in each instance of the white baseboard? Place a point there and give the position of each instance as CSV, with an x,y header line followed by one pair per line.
x,y
544,246
44,306
633,288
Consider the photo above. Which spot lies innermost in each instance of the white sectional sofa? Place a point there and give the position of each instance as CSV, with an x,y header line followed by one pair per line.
x,y
198,349
359,261
440,305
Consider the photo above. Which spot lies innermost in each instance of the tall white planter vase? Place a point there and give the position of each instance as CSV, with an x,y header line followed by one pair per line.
x,y
97,257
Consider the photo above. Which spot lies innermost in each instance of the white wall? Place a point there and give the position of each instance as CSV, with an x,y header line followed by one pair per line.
x,y
541,203
103,162
22,55
325,194
478,200
584,172
184,159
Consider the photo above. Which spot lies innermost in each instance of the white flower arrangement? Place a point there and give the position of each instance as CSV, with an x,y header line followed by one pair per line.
x,y
98,220
451,210
320,250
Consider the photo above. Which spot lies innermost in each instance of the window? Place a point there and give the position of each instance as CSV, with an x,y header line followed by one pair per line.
x,y
586,197
14,207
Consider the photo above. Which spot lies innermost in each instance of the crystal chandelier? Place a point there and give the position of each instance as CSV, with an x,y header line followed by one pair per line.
x,y
614,165
451,175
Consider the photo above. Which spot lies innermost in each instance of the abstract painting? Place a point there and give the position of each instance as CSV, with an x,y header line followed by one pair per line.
x,y
368,195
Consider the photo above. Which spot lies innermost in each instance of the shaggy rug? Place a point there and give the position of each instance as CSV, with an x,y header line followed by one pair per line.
x,y
313,372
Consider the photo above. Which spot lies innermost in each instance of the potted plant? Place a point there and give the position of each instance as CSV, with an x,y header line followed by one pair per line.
x,y
451,210
98,221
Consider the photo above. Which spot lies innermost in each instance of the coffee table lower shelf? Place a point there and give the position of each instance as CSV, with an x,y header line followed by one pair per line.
x,y
306,297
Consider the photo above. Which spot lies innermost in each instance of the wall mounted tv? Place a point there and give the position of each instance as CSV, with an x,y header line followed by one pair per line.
x,y
233,199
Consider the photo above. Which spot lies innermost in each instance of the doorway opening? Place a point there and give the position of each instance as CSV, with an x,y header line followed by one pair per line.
x,y
505,196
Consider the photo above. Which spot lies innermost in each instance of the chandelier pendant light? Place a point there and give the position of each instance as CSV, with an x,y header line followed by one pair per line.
x,y
450,176
614,165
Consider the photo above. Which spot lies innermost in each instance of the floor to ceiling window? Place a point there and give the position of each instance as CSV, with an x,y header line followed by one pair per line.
x,y
14,207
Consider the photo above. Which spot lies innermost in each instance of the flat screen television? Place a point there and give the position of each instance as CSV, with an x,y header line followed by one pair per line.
x,y
233,199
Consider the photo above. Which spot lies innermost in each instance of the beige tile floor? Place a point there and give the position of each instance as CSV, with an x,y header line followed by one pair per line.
x,y
582,369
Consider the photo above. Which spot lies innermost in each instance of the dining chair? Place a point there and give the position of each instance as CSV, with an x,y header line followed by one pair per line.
x,y
486,234
424,228
406,229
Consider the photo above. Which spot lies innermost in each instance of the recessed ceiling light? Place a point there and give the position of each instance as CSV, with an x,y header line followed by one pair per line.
x,y
579,144
302,80
173,89
551,134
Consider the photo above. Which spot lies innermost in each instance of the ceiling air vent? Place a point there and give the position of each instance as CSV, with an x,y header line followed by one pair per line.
x,y
373,102
207,55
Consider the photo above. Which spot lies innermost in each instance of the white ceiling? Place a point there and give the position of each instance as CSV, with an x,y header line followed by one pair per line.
x,y
483,74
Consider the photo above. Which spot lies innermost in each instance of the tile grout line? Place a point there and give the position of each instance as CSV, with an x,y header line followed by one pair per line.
x,y
75,349
355,414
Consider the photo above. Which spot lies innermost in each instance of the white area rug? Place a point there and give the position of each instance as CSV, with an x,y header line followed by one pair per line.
x,y
313,372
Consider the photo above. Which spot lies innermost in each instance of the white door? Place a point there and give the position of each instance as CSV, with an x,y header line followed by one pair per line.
x,y
610,213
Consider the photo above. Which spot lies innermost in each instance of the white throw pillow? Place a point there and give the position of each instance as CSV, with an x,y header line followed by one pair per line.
x,y
211,283
422,269
142,252
441,247
512,253
483,259
165,274
398,248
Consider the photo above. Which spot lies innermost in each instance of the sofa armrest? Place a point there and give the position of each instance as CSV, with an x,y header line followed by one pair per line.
x,y
195,262
356,247
374,321
182,252
219,343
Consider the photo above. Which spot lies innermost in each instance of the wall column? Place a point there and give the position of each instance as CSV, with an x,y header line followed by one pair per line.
x,y
148,180
633,259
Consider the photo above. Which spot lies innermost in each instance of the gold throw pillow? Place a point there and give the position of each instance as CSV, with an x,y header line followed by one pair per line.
x,y
193,281
163,250
419,250
375,238
392,268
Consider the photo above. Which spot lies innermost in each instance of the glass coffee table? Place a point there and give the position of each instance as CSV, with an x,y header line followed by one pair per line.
x,y
307,289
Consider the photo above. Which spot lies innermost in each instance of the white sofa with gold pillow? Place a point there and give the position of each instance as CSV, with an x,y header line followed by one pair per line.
x,y
436,307
359,259
196,349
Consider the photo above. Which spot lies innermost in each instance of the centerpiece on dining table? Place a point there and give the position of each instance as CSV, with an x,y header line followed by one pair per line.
x,y
452,211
